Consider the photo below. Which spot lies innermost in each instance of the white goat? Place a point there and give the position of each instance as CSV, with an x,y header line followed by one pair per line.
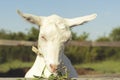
x,y
54,33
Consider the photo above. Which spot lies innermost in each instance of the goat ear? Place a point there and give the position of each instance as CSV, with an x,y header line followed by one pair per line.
x,y
80,20
30,18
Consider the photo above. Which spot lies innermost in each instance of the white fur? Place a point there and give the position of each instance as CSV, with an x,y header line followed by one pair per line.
x,y
39,65
54,33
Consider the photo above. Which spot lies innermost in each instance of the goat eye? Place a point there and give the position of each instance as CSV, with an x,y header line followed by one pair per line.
x,y
43,37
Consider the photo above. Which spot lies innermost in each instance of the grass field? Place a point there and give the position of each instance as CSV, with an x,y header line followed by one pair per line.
x,y
14,65
108,66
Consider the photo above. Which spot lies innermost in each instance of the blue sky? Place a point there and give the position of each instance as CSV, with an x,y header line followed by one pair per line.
x,y
108,12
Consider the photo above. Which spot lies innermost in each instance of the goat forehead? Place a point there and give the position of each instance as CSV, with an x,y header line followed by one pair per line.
x,y
53,19
54,26
52,33
52,23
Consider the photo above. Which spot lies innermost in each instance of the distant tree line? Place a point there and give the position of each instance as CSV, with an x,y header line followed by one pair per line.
x,y
75,53
22,53
94,54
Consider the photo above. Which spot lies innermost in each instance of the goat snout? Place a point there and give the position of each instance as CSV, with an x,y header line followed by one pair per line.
x,y
53,67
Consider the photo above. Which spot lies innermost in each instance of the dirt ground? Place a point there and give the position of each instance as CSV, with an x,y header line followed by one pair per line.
x,y
83,73
88,72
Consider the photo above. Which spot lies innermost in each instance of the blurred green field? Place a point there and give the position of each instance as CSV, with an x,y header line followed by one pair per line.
x,y
104,67
14,65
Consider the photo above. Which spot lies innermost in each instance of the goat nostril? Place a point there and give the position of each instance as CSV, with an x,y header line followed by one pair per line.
x,y
53,67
